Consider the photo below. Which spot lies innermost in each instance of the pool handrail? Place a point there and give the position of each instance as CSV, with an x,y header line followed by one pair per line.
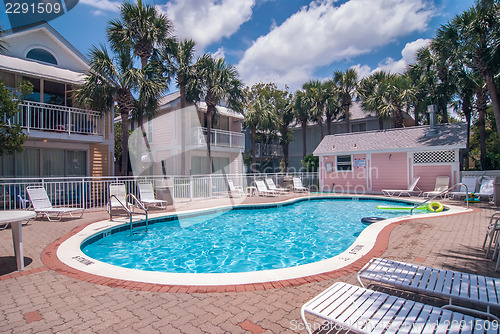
x,y
129,212
443,192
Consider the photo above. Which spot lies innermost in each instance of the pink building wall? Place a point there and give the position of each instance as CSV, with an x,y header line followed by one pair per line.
x,y
389,171
354,180
428,175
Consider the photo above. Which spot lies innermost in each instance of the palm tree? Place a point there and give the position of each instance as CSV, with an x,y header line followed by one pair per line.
x,y
371,91
142,28
3,44
318,92
301,108
283,115
347,83
474,34
108,82
258,115
332,104
217,81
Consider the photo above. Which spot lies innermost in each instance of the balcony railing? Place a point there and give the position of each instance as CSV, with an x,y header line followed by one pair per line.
x,y
268,150
50,117
219,138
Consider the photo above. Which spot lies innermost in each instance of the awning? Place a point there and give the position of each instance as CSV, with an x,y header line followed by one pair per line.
x,y
38,70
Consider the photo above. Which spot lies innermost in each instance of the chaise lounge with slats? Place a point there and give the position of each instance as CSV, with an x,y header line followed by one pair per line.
x,y
365,311
453,285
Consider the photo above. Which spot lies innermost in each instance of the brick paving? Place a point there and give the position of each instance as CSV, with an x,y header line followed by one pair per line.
x,y
41,300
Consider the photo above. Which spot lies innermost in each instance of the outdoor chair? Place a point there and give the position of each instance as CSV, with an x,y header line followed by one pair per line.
x,y
118,197
235,190
365,311
442,183
147,196
409,192
262,189
470,289
43,207
272,186
486,190
492,232
297,185
470,182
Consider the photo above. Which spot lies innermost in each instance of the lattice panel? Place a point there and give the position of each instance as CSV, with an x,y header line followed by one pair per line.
x,y
434,157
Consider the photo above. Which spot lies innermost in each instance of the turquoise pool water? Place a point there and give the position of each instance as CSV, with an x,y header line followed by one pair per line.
x,y
242,240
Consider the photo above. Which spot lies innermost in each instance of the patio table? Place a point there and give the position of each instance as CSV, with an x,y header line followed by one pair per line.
x,y
15,218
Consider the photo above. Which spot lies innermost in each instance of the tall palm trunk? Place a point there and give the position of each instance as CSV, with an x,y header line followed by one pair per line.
x,y
495,100
329,124
347,117
481,108
304,136
124,163
399,118
254,160
467,109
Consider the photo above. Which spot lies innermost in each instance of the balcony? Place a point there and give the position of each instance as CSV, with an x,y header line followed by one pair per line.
x,y
268,150
58,119
219,138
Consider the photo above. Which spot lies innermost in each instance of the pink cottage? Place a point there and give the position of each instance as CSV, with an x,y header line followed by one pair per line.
x,y
367,162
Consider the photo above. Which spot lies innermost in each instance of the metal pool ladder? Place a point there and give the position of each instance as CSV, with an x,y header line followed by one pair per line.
x,y
130,213
443,192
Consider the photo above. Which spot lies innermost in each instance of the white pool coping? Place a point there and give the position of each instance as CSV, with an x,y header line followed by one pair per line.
x,y
69,253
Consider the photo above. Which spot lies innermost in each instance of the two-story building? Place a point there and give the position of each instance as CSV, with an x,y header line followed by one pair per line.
x,y
177,139
63,140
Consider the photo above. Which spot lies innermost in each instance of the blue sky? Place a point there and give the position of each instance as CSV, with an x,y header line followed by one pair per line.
x,y
284,41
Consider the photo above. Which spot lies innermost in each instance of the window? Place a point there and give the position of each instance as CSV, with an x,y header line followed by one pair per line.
x,y
41,55
344,162
358,127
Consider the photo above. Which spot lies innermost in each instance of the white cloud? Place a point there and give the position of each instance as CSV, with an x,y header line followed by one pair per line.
x,y
408,56
220,53
207,21
322,33
103,5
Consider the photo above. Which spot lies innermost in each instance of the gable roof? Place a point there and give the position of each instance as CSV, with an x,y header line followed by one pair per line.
x,y
450,136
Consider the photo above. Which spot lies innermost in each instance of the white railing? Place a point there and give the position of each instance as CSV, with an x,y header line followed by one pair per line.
x,y
268,150
51,117
219,138
93,192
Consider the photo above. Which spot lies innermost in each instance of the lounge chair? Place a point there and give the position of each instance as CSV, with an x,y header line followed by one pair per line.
x,y
409,192
366,311
492,232
235,190
442,183
297,185
470,182
453,285
272,186
147,196
486,189
118,197
43,207
262,189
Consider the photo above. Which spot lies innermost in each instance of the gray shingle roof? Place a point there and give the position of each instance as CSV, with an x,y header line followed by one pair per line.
x,y
411,138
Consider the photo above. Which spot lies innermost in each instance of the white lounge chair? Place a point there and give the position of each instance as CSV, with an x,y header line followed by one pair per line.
x,y
470,182
235,190
262,189
442,183
43,207
486,189
492,232
272,186
453,285
409,192
297,185
365,311
147,196
118,197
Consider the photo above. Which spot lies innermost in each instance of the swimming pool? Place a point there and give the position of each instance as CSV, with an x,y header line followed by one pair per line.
x,y
242,239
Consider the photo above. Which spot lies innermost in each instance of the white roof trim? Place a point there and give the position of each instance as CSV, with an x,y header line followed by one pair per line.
x,y
39,70
411,150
